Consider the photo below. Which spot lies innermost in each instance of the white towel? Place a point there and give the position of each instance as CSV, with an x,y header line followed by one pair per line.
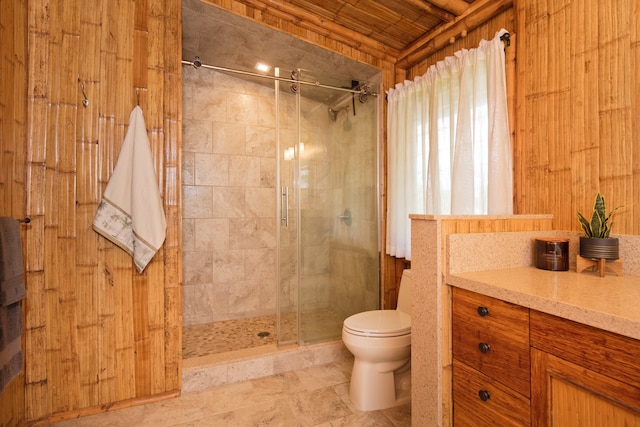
x,y
130,213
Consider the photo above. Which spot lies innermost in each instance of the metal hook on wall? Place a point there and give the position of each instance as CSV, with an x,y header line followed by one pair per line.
x,y
138,96
85,100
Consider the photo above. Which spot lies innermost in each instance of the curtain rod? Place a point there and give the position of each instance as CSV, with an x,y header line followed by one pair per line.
x,y
196,63
506,38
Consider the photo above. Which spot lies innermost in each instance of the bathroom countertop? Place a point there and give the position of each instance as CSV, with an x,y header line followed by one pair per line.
x,y
610,303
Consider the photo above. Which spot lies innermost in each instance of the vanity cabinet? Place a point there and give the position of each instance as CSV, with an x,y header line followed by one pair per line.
x,y
491,361
582,375
538,369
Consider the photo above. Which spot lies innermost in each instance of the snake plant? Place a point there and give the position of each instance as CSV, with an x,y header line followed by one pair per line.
x,y
601,223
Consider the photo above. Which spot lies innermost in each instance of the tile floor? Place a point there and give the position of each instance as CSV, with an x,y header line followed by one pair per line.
x,y
314,396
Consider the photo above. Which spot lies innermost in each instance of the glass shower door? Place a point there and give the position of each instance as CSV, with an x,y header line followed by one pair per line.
x,y
329,175
287,318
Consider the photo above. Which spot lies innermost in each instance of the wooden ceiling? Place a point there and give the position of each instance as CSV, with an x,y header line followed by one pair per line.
x,y
394,23
401,31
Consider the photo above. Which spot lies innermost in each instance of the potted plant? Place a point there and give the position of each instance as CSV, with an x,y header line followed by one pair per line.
x,y
596,242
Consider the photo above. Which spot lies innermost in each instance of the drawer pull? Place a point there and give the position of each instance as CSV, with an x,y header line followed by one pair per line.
x,y
484,347
483,311
484,395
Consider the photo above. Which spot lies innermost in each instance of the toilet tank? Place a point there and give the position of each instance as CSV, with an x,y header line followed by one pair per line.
x,y
404,294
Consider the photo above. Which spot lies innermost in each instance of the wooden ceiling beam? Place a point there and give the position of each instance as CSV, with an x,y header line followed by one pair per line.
x,y
478,13
457,7
431,9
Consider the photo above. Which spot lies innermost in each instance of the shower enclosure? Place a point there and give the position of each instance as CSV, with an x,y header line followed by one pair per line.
x,y
328,235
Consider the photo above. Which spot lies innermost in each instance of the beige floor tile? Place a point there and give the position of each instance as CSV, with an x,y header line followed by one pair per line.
x,y
278,386
400,416
319,406
321,376
276,413
360,419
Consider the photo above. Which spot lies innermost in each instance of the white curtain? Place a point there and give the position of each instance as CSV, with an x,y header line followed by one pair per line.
x,y
449,150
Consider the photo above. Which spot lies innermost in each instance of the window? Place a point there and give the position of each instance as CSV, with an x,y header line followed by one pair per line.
x,y
449,149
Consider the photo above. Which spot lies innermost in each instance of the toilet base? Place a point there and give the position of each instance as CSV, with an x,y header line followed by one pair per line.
x,y
371,390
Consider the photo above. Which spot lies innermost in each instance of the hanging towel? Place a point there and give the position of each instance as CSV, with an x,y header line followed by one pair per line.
x,y
12,291
130,213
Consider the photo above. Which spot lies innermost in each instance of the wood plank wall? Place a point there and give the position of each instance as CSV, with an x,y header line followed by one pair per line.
x,y
13,127
579,103
96,331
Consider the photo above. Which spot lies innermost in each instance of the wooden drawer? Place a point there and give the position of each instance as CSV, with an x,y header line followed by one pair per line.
x,y
505,329
503,407
606,353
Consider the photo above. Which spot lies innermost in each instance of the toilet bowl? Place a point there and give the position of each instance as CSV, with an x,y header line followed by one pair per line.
x,y
380,341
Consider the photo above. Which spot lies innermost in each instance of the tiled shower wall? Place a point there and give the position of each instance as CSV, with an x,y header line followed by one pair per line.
x,y
229,196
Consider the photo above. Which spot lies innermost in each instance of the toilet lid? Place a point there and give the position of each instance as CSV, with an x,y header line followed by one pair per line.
x,y
379,323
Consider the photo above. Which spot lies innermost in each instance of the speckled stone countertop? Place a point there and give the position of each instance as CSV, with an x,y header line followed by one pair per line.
x,y
610,303
501,265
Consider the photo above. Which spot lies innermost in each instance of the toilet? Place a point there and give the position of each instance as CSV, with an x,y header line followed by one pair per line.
x,y
380,341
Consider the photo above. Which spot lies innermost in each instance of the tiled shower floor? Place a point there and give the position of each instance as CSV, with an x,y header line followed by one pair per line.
x,y
227,335
239,334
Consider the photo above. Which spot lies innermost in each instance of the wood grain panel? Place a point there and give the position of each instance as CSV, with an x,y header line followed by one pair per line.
x,y
600,351
505,329
504,407
566,394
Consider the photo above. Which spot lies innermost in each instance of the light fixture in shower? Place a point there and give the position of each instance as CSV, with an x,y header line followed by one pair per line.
x,y
262,67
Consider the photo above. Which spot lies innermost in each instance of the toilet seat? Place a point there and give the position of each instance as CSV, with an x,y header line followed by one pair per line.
x,y
379,323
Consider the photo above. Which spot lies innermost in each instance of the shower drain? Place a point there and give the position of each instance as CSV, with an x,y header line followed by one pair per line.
x,y
263,334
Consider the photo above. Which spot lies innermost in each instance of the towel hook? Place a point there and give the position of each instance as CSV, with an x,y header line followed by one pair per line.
x,y
138,96
85,101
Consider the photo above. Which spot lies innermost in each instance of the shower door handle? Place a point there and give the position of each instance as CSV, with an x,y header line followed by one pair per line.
x,y
284,206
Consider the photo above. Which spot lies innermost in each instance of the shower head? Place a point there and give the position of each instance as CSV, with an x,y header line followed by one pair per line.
x,y
333,113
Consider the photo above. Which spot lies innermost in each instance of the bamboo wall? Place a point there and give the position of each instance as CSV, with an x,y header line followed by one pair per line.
x,y
579,99
13,120
96,331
